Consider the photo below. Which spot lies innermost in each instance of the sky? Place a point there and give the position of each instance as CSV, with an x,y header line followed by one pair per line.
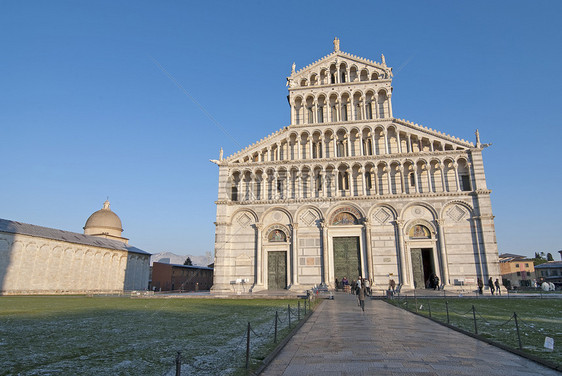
x,y
130,99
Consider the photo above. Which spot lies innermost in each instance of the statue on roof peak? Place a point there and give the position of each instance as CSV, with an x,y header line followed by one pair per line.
x,y
383,60
336,44
293,67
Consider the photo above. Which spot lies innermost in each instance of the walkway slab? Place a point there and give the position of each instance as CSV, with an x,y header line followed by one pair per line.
x,y
339,339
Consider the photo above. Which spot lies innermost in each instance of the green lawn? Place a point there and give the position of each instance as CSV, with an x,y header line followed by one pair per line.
x,y
537,318
134,336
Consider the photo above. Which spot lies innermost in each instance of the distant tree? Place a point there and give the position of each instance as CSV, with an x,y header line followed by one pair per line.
x,y
549,257
188,261
538,256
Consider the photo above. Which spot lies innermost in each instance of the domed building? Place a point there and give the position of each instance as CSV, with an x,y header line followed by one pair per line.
x,y
41,260
106,224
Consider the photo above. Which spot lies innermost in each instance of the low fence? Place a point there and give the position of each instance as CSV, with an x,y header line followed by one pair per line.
x,y
253,344
510,331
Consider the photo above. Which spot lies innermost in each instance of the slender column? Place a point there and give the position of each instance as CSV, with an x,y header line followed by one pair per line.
x,y
455,167
295,263
389,179
429,185
479,244
399,229
443,251
400,175
361,172
376,109
324,182
297,184
369,249
334,145
385,135
409,146
398,141
431,146
259,255
416,178
389,96
439,167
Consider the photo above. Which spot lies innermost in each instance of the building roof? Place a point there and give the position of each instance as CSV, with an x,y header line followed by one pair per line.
x,y
14,227
507,257
550,264
184,266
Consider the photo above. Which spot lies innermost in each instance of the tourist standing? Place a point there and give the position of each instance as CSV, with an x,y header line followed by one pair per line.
x,y
391,285
498,290
367,286
480,286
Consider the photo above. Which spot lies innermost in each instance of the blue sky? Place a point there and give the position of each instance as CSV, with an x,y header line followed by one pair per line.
x,y
86,112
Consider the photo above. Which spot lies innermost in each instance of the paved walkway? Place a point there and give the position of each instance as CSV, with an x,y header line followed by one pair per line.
x,y
338,339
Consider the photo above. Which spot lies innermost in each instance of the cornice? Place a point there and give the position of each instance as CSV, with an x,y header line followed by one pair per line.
x,y
342,54
434,132
385,198
364,158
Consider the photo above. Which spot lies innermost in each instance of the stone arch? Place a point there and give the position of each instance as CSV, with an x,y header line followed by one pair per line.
x,y
270,229
252,215
349,208
382,213
427,206
278,209
430,226
309,215
445,212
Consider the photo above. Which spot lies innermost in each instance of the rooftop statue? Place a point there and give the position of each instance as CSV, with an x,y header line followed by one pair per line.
x,y
336,44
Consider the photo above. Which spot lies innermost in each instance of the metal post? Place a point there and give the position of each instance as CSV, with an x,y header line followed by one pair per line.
x,y
305,307
275,335
289,313
248,348
474,315
178,363
447,307
299,310
517,327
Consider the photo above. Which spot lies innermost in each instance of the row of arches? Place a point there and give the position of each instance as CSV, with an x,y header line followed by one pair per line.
x,y
351,180
340,73
340,142
341,107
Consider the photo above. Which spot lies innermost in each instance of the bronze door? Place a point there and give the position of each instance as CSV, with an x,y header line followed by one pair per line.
x,y
347,259
277,270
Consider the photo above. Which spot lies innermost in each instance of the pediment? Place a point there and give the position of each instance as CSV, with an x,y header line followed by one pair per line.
x,y
336,59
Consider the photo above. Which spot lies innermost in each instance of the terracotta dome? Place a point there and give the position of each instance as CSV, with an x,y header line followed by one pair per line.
x,y
104,222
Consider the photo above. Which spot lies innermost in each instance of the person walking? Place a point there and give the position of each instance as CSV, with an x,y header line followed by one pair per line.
x,y
498,290
358,285
361,296
491,285
367,286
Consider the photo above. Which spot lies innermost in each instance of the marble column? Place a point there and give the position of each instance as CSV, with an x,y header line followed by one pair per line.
x,y
259,254
400,229
443,252
295,263
369,249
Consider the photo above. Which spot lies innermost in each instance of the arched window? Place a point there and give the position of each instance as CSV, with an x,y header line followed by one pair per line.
x,y
277,236
333,78
344,112
320,114
310,115
318,182
344,218
368,180
334,113
343,180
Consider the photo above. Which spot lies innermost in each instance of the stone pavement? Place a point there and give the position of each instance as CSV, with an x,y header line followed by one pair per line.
x,y
338,339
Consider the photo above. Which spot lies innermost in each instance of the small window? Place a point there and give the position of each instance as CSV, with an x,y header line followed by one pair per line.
x,y
310,116
412,179
526,265
516,265
519,274
234,193
369,111
344,112
320,114
368,180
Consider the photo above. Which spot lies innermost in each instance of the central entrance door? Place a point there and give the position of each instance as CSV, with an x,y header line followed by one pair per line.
x,y
347,260
277,270
422,266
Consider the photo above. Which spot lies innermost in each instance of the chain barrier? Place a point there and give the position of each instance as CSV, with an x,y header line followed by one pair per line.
x,y
235,351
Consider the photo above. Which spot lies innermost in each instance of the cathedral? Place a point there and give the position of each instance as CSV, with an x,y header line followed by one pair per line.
x,y
348,190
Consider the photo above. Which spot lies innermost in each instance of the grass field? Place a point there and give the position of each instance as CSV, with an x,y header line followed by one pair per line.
x,y
537,318
134,336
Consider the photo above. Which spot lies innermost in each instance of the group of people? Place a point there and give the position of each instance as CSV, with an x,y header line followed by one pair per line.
x,y
493,286
360,287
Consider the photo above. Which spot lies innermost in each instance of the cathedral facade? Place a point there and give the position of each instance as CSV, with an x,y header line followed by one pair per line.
x,y
348,190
